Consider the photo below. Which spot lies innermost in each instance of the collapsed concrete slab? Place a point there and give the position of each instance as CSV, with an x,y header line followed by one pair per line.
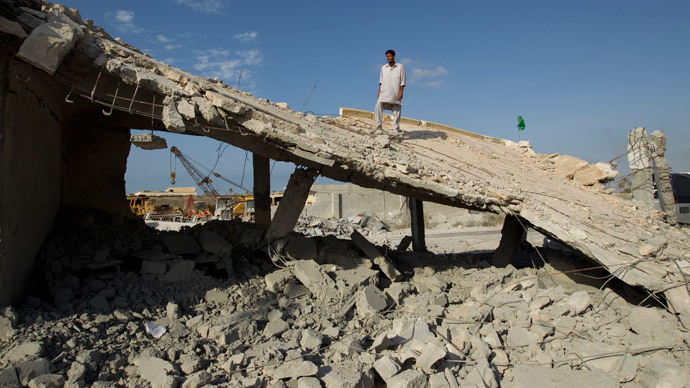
x,y
443,164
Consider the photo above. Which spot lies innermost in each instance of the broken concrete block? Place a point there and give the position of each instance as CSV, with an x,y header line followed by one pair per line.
x,y
625,368
27,370
47,381
25,351
608,170
275,328
276,280
308,382
519,336
346,374
148,141
411,378
171,117
156,371
579,302
588,175
351,280
432,352
567,165
186,109
214,243
311,340
301,248
398,291
7,329
198,379
644,320
370,301
372,253
207,110
309,273
179,270
8,378
438,380
12,28
295,369
481,375
47,46
386,367
181,244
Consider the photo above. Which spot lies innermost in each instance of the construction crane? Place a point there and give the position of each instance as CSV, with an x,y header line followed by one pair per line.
x,y
202,180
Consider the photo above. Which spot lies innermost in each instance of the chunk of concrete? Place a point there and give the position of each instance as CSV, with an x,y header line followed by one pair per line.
x,y
153,267
588,175
207,110
27,370
8,378
519,336
12,28
47,381
308,382
171,117
386,367
526,376
198,379
275,328
369,249
311,340
295,369
276,280
411,378
156,371
7,329
370,301
187,109
148,141
625,368
315,279
567,165
25,351
432,352
579,301
214,243
346,374
47,45
644,320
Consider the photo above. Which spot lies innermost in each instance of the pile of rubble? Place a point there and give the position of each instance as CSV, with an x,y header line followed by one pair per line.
x,y
343,227
319,312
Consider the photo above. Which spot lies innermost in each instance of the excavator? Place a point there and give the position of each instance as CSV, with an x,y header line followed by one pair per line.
x,y
227,206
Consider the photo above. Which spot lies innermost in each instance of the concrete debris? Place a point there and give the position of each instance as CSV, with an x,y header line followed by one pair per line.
x,y
12,28
47,45
333,320
171,117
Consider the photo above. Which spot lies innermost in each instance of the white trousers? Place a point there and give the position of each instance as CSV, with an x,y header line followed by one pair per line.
x,y
394,108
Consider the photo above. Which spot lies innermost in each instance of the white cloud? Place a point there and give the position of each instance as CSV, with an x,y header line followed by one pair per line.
x,y
123,21
221,63
246,36
162,39
424,74
171,46
205,6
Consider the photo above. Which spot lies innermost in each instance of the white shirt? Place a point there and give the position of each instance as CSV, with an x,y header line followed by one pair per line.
x,y
391,79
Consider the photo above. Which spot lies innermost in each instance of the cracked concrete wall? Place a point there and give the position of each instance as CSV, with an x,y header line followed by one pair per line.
x,y
31,162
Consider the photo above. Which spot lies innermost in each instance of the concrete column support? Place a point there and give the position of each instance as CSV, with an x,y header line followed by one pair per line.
x,y
512,235
640,167
292,204
262,190
662,177
417,224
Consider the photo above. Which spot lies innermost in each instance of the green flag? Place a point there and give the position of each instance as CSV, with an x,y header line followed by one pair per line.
x,y
521,124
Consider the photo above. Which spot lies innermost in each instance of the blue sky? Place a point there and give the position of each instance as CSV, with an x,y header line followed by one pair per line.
x,y
581,73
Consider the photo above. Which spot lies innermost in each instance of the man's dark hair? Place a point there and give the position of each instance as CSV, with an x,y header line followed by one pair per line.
x,y
390,52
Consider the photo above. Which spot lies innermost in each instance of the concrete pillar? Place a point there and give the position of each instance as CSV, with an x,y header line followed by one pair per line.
x,y
662,176
640,167
417,224
262,190
292,204
512,235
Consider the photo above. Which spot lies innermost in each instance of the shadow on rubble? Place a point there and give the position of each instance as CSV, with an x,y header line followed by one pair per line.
x,y
424,135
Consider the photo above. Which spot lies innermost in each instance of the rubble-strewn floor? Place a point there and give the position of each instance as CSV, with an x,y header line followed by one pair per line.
x,y
323,315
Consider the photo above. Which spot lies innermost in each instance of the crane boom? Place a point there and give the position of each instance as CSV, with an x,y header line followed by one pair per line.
x,y
204,182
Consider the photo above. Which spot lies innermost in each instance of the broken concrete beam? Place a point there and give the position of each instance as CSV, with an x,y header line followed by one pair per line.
x,y
370,301
171,117
47,45
292,204
315,279
276,280
372,253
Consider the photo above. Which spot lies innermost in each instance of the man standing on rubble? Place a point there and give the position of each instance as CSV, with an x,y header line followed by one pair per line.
x,y
390,95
